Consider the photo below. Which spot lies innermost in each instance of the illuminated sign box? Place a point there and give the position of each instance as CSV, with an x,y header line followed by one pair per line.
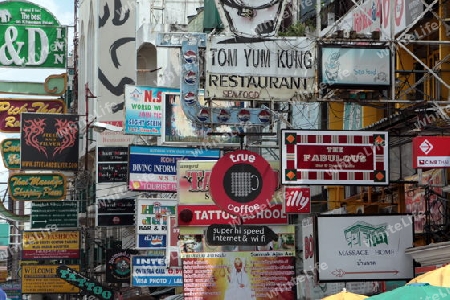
x,y
355,67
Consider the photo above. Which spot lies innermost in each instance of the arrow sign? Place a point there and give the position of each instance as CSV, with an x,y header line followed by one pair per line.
x,y
342,273
242,235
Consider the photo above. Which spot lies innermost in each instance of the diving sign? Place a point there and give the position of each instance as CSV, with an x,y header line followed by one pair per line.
x,y
242,235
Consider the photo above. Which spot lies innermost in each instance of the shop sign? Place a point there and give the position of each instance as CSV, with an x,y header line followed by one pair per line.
x,y
49,142
204,215
44,279
11,109
277,69
431,152
31,37
242,183
37,186
11,153
46,244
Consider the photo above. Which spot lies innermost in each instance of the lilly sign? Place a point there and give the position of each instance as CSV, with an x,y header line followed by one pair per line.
x,y
30,36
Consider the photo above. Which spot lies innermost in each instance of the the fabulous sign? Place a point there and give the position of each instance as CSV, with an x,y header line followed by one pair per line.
x,y
11,110
11,153
31,36
37,186
334,157
277,69
242,183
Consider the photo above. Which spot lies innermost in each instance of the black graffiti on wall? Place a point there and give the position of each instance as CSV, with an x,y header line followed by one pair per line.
x,y
121,16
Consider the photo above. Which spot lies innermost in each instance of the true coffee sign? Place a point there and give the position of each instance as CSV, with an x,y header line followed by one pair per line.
x,y
30,36
242,183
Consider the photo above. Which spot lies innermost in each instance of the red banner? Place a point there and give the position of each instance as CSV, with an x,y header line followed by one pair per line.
x,y
431,152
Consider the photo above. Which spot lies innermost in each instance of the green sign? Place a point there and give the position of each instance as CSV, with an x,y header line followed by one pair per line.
x,y
37,186
63,214
4,234
11,153
31,36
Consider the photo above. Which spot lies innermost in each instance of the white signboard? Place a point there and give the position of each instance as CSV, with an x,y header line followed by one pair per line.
x,y
273,69
308,244
365,247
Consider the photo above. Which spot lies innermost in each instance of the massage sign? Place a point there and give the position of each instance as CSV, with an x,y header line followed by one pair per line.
x,y
242,183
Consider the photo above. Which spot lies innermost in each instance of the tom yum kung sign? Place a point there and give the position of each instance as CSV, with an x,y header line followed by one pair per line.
x,y
334,157
285,68
37,186
31,36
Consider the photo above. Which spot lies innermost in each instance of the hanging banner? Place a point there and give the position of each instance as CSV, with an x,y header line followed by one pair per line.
x,y
11,153
49,142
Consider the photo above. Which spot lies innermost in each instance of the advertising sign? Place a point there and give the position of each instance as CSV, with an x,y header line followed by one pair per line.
x,y
309,249
11,153
109,138
12,289
419,206
154,168
144,109
11,110
49,142
44,279
118,265
63,214
242,235
242,183
276,69
112,164
297,200
87,285
431,152
33,36
334,157
4,236
39,245
355,67
181,130
248,19
173,250
37,186
115,212
204,215
153,217
365,247
154,271
238,275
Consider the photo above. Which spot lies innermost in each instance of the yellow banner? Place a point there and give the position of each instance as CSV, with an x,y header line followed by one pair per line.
x,y
41,279
51,240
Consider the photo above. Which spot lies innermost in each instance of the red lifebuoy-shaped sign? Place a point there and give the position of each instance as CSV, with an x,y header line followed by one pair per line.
x,y
242,183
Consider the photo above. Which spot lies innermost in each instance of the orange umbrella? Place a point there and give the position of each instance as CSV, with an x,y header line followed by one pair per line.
x,y
344,295
438,277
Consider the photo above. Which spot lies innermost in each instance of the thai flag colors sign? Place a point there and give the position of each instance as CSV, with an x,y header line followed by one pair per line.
x,y
334,157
